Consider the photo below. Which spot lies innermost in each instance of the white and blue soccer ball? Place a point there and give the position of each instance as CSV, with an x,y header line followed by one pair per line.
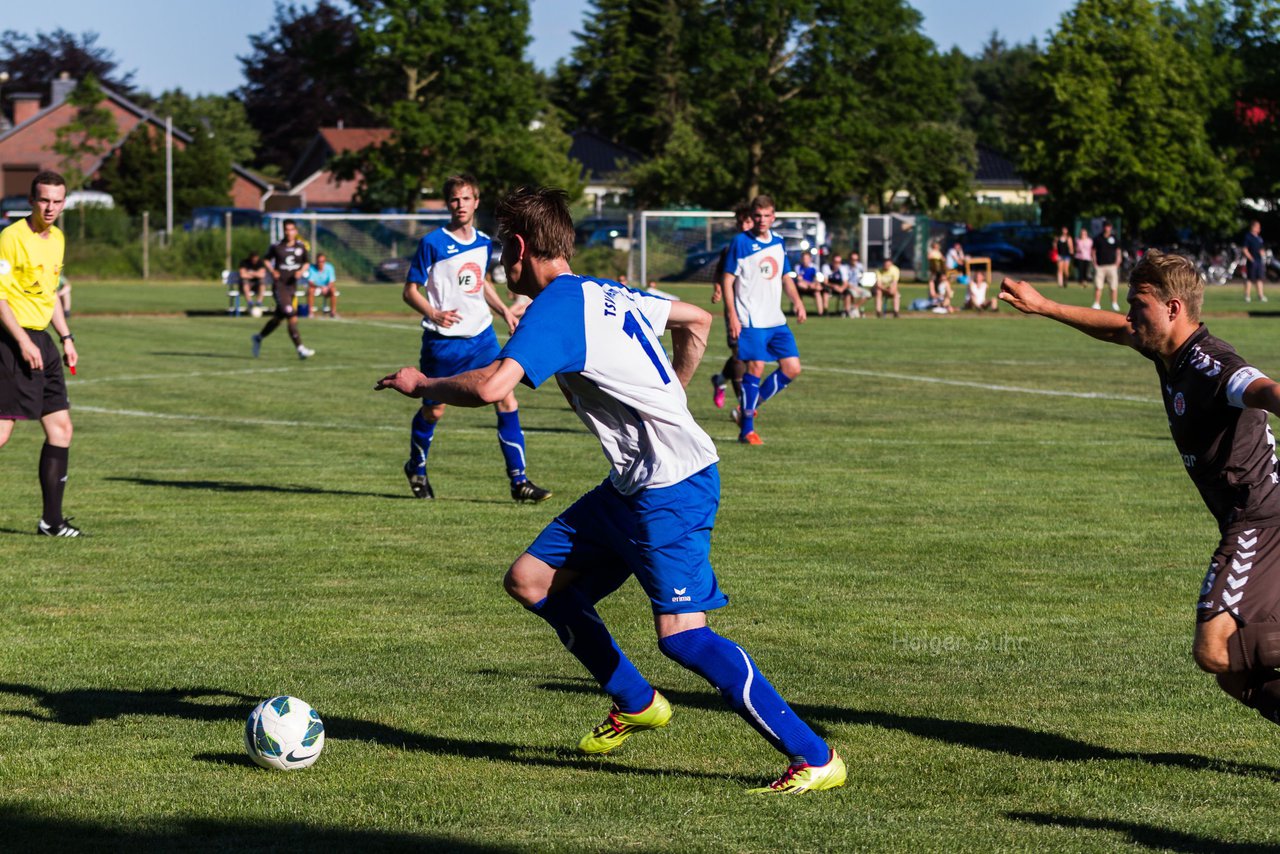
x,y
283,734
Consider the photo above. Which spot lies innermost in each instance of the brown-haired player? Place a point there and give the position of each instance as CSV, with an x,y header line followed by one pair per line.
x,y
447,284
31,382
652,516
286,260
1217,405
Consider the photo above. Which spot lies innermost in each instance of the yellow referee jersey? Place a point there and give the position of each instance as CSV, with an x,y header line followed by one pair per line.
x,y
30,266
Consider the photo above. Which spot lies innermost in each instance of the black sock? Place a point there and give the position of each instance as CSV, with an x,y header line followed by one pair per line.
x,y
53,480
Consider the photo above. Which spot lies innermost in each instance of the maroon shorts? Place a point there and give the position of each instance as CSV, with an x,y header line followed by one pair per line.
x,y
284,292
1243,578
26,394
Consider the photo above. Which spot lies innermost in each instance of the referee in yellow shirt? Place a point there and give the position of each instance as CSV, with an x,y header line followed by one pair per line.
x,y
31,381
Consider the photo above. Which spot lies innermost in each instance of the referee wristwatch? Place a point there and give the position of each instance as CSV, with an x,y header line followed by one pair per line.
x,y
68,337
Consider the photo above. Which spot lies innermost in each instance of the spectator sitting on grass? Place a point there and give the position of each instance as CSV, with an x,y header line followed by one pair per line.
x,y
977,295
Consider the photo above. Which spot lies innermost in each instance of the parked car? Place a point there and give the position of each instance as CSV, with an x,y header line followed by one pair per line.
x,y
986,244
599,231
216,217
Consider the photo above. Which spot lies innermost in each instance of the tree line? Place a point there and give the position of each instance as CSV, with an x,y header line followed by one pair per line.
x,y
1163,114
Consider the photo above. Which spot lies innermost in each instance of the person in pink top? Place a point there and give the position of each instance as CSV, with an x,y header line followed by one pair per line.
x,y
1084,257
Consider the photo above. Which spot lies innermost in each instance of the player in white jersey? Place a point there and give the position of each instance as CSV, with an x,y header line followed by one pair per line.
x,y
457,332
652,516
756,274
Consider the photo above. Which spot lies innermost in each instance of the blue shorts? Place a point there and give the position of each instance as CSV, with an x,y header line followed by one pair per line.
x,y
767,345
662,536
443,356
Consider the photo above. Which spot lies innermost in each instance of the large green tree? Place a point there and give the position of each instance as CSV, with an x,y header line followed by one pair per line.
x,y
996,91
1121,113
451,82
305,72
219,118
135,173
32,61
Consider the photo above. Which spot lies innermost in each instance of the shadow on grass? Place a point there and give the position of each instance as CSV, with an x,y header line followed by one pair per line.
x,y
87,706
998,738
1146,835
236,486
28,830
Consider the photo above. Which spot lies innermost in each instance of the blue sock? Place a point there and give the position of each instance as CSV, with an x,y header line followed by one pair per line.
x,y
773,384
750,400
583,633
731,671
511,441
420,441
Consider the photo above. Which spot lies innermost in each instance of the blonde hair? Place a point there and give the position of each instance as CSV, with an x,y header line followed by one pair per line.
x,y
1169,277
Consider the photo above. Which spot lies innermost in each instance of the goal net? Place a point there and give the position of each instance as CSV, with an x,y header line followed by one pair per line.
x,y
683,246
363,247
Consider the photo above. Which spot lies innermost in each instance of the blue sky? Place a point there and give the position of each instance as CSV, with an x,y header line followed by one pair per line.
x,y
193,44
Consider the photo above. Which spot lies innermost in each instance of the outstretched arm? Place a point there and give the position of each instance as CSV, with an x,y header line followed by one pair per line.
x,y
1103,325
689,327
489,384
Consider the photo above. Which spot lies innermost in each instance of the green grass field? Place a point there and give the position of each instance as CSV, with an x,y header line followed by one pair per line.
x,y
967,554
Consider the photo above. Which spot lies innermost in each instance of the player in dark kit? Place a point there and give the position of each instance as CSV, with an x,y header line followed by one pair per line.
x,y
286,260
1217,405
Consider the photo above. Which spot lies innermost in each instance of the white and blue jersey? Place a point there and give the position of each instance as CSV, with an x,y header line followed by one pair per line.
x,y
758,265
452,273
601,340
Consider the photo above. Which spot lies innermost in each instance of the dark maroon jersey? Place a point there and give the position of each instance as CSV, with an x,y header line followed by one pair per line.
x,y
288,260
1228,449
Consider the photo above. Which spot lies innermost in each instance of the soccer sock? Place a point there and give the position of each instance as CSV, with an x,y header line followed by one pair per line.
x,y
511,441
750,400
731,671
53,480
1254,647
773,384
583,633
420,435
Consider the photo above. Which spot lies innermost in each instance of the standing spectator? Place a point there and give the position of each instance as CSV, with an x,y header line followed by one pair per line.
x,y
253,279
887,286
1255,270
1106,267
31,382
1066,249
320,283
756,275
447,285
1084,258
285,260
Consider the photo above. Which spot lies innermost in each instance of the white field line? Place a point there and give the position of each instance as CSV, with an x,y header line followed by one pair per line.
x,y
76,383
415,327
1048,392
222,419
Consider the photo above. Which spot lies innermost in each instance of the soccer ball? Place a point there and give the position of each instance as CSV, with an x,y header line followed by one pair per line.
x,y
256,311
283,733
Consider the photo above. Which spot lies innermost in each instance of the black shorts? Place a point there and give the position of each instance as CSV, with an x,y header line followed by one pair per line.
x,y
283,293
26,394
1243,578
1256,270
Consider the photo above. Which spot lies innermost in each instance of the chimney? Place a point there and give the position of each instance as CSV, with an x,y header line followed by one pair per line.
x,y
61,88
25,105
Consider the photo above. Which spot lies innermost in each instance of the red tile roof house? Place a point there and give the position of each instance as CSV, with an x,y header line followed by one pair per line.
x,y
27,147
313,185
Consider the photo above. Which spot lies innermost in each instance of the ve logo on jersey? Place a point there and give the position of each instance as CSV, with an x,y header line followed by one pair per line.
x,y
1179,404
470,278
769,268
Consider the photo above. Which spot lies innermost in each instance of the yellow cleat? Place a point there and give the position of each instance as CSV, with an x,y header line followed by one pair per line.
x,y
619,726
807,778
